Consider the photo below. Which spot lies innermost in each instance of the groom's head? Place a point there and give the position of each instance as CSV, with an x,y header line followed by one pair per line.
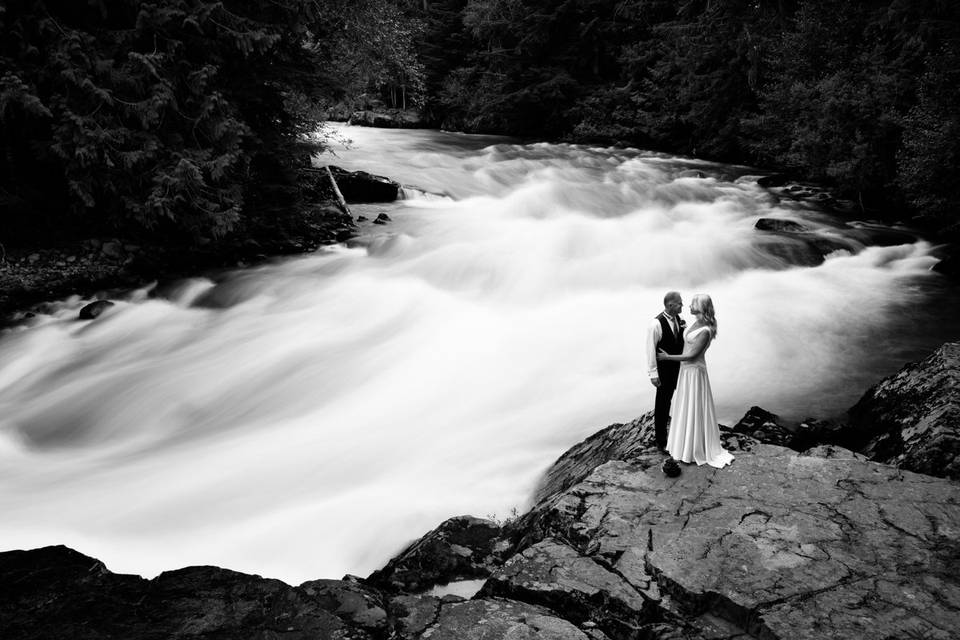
x,y
672,303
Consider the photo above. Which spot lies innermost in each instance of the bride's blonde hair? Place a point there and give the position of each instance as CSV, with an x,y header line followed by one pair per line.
x,y
702,303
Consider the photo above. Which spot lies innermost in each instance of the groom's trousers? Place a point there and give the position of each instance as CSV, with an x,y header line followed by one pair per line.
x,y
661,411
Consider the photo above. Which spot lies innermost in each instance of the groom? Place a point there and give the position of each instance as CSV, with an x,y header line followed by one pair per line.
x,y
665,332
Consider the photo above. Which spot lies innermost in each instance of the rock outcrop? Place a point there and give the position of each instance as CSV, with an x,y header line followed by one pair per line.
x,y
779,545
55,592
912,418
461,548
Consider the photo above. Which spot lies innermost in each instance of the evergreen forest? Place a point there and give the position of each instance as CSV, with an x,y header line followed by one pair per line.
x,y
192,119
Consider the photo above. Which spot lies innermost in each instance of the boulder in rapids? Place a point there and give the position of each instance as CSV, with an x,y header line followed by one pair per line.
x,y
360,186
389,119
94,309
773,180
779,224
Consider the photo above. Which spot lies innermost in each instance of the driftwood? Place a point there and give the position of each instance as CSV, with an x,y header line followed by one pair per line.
x,y
336,190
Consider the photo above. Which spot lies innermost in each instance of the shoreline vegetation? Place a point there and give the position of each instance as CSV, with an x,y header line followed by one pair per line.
x,y
102,265
182,128
800,539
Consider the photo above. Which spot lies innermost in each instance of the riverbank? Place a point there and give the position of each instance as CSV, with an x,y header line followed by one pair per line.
x,y
100,266
817,544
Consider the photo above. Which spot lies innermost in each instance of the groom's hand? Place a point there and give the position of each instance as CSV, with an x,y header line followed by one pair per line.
x,y
655,382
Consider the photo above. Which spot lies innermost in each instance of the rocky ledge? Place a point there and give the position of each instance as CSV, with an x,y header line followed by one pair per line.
x,y
822,543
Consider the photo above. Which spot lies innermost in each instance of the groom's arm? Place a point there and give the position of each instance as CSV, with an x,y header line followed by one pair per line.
x,y
654,332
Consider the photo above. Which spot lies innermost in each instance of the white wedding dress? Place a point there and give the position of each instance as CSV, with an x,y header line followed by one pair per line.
x,y
694,435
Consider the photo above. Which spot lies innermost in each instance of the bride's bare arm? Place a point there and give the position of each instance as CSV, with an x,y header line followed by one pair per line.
x,y
700,343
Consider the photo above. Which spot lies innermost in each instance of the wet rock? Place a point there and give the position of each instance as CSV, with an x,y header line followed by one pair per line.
x,y
351,601
382,219
949,266
491,619
576,587
389,119
912,419
459,549
412,614
360,186
778,224
631,441
94,309
803,249
778,545
765,427
773,180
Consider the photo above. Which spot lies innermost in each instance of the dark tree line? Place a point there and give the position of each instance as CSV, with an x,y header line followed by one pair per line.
x,y
185,119
860,94
190,118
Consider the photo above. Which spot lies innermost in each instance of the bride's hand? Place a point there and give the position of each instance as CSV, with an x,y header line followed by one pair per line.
x,y
661,355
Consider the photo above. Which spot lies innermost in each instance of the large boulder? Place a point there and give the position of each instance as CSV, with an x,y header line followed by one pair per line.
x,y
620,441
779,224
912,419
462,548
361,187
389,119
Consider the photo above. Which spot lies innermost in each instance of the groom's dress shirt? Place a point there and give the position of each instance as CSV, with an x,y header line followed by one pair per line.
x,y
654,333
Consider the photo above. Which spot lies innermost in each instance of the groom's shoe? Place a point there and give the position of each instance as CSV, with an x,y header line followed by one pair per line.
x,y
670,468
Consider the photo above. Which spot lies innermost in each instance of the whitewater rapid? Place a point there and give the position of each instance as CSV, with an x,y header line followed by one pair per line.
x,y
308,417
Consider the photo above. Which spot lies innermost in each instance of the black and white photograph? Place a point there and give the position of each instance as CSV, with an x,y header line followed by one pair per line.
x,y
479,320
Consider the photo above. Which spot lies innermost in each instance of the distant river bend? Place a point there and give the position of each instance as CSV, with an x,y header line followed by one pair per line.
x,y
308,417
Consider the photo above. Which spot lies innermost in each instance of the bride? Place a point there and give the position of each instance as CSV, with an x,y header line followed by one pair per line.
x,y
694,435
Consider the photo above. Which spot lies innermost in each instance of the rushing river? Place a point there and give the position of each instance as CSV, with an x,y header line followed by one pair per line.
x,y
308,417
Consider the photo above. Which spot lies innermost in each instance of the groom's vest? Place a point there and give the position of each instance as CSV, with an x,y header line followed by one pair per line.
x,y
669,370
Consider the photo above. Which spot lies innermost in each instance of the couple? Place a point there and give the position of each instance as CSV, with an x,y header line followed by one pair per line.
x,y
677,368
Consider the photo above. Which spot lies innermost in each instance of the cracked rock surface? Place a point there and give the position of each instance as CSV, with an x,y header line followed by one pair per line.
x,y
780,544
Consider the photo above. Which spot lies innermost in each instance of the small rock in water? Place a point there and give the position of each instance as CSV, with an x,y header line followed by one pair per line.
x,y
362,218
778,224
94,309
382,219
